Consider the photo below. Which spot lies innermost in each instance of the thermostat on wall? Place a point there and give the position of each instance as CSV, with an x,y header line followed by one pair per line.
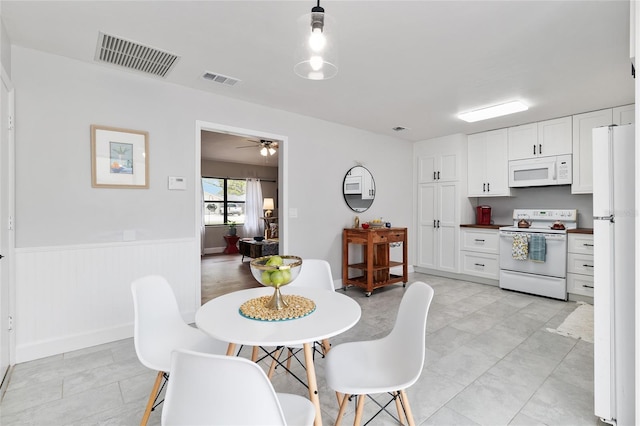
x,y
177,182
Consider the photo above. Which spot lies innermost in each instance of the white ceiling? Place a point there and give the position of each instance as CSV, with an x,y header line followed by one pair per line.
x,y
414,64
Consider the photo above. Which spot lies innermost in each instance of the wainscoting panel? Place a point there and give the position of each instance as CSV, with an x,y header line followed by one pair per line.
x,y
72,297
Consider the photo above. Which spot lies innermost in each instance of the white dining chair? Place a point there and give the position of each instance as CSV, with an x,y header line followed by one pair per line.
x,y
223,390
390,364
159,329
314,273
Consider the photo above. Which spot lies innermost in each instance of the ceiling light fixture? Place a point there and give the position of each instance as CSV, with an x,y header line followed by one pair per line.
x,y
493,111
316,57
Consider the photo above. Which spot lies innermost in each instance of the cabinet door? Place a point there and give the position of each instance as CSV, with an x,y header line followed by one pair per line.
x,y
497,163
583,125
448,170
368,188
427,168
624,115
523,141
447,227
476,182
426,225
554,137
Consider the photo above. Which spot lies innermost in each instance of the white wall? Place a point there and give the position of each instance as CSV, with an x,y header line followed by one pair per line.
x,y
59,215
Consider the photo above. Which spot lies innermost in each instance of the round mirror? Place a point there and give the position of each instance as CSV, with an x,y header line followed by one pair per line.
x,y
359,189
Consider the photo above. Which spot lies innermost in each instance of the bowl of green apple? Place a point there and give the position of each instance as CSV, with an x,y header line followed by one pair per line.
x,y
276,271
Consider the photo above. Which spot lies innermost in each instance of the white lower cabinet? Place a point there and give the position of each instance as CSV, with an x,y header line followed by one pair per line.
x,y
479,252
580,264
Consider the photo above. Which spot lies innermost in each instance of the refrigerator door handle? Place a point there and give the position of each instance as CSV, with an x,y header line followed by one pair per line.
x,y
608,218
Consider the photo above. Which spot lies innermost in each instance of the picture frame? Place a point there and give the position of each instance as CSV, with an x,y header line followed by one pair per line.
x,y
119,157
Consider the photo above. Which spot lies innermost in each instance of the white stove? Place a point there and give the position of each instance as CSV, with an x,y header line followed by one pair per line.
x,y
544,274
543,220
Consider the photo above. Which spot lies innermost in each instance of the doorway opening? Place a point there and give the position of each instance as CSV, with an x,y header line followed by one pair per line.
x,y
227,154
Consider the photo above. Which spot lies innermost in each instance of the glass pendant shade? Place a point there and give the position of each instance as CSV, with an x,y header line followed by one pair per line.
x,y
316,53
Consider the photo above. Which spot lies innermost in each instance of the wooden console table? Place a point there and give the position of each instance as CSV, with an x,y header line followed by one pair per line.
x,y
374,271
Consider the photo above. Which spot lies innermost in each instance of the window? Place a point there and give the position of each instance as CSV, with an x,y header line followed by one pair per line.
x,y
224,200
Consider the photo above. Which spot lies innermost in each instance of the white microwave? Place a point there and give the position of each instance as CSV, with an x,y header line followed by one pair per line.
x,y
542,171
353,185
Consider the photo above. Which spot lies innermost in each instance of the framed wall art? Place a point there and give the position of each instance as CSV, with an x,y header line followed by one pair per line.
x,y
119,158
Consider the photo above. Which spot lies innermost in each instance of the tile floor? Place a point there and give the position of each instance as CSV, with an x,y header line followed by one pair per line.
x,y
490,361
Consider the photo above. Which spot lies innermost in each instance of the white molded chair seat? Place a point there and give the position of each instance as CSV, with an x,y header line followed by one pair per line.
x,y
222,390
159,329
314,273
390,364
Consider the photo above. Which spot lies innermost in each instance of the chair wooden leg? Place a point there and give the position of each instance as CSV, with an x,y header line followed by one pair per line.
x,y
359,410
405,402
152,399
343,407
254,354
399,407
274,363
290,354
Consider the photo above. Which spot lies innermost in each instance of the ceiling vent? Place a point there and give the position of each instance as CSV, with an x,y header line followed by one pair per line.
x,y
134,56
219,78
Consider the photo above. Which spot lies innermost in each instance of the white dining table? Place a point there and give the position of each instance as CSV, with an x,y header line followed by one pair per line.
x,y
334,314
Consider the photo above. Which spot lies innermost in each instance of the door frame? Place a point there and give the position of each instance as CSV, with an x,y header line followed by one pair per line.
x,y
9,229
283,184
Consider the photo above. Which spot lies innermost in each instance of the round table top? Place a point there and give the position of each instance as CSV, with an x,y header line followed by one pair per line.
x,y
335,313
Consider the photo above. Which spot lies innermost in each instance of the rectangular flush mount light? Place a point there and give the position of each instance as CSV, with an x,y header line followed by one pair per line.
x,y
494,111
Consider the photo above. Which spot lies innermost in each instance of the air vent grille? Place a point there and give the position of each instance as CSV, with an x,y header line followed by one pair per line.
x,y
134,56
219,78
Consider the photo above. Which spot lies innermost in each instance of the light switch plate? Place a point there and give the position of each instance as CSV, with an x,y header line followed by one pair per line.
x,y
293,212
177,182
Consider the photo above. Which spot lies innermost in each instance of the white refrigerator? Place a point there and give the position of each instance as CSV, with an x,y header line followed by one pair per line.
x,y
614,273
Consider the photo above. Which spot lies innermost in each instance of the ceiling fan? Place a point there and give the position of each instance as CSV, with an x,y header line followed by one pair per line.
x,y
266,147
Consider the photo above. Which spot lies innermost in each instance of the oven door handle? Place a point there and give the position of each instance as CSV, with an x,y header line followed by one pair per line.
x,y
508,234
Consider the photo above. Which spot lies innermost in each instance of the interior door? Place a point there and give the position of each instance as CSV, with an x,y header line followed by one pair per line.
x,y
6,180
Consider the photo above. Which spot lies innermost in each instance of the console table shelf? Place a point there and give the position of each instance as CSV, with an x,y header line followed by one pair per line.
x,y
375,269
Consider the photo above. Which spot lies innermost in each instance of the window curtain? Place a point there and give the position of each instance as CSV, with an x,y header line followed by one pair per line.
x,y
253,209
203,228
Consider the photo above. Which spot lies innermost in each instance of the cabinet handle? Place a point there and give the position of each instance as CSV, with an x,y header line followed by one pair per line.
x,y
540,149
488,187
438,223
438,175
434,175
534,149
587,286
434,223
588,245
479,240
479,264
587,266
484,187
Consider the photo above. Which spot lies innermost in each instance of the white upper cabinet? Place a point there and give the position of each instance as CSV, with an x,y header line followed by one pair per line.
x,y
583,125
542,139
439,166
488,168
624,115
522,141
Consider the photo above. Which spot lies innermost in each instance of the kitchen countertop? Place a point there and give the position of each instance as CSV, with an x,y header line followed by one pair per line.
x,y
580,231
481,226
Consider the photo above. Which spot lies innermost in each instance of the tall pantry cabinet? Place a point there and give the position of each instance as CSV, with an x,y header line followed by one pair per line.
x,y
440,188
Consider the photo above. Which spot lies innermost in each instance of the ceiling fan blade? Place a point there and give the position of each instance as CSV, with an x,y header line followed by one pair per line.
x,y
248,146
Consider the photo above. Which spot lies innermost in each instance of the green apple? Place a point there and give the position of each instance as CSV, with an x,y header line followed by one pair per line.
x,y
266,277
277,278
274,261
286,275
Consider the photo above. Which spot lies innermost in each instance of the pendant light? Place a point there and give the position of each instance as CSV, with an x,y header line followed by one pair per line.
x,y
316,57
